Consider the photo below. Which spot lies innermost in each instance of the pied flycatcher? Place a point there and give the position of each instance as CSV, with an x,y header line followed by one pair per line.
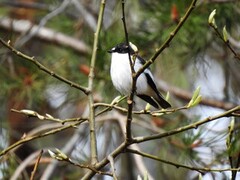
x,y
121,76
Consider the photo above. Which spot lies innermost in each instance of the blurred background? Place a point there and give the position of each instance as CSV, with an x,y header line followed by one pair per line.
x,y
60,35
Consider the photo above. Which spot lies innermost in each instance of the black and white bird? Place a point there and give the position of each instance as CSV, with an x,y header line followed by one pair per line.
x,y
121,76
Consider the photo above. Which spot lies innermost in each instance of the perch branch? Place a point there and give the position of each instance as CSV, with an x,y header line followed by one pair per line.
x,y
187,127
134,80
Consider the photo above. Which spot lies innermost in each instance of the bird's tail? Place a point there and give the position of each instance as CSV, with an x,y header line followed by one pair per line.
x,y
162,102
155,102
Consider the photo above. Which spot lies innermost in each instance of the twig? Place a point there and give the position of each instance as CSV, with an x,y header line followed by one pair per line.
x,y
177,165
126,36
43,68
134,80
105,161
89,167
47,117
27,139
60,156
36,165
124,110
138,159
110,158
67,149
226,42
110,106
187,127
23,165
94,156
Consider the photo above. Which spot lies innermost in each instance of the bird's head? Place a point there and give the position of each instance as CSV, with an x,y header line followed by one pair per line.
x,y
123,48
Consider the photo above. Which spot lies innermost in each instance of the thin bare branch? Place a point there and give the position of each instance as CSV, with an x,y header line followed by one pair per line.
x,y
43,68
47,117
36,165
134,80
226,42
187,127
93,144
66,149
110,158
23,165
28,139
178,165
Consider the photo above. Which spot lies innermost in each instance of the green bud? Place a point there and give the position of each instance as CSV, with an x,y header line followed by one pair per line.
x,y
58,155
147,107
134,47
196,98
61,154
190,103
211,19
196,93
225,34
197,101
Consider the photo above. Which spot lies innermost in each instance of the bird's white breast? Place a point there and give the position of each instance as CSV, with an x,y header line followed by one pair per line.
x,y
121,73
122,77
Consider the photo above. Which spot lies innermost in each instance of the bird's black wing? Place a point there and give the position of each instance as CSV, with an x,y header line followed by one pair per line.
x,y
152,83
163,103
149,78
142,61
149,99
